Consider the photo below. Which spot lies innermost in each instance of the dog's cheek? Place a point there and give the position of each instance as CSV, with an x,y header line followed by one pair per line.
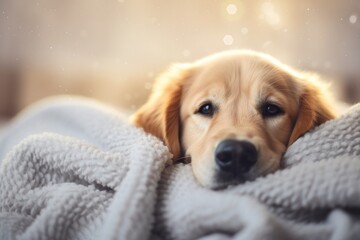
x,y
279,129
269,157
202,160
192,132
204,169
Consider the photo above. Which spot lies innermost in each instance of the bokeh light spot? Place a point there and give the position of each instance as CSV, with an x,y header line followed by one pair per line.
x,y
353,19
228,40
244,30
231,9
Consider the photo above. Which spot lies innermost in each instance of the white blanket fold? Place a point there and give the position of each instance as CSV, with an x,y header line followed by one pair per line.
x,y
75,169
98,182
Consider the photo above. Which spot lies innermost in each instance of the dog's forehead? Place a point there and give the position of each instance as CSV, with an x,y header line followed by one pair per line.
x,y
235,75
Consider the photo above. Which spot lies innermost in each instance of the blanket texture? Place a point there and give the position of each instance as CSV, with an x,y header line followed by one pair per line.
x,y
75,169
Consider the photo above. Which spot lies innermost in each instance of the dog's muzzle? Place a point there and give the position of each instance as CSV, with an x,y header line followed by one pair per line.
x,y
235,158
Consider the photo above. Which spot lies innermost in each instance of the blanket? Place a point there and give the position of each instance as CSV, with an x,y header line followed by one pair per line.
x,y
73,168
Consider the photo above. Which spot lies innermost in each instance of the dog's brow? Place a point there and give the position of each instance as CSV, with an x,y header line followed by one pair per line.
x,y
277,82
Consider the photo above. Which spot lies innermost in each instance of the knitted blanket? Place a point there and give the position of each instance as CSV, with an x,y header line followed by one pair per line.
x,y
75,169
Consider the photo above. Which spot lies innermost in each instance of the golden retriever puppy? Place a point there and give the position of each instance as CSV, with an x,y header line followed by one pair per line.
x,y
233,114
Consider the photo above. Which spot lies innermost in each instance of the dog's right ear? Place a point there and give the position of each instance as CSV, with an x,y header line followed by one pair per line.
x,y
315,108
160,115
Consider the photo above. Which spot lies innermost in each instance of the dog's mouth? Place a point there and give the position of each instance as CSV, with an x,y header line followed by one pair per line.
x,y
225,179
184,160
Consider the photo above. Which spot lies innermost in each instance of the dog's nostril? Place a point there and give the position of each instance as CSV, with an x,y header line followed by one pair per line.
x,y
235,156
224,158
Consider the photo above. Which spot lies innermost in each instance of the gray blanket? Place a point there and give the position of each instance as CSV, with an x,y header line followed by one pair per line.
x,y
75,169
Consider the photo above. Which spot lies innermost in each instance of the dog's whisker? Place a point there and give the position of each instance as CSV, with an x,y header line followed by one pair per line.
x,y
180,158
185,159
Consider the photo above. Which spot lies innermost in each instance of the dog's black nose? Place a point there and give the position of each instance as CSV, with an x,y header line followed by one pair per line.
x,y
235,156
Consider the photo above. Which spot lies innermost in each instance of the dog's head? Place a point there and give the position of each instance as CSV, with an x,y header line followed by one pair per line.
x,y
233,113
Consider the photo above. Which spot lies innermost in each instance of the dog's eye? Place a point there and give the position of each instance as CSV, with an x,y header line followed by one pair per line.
x,y
206,109
271,110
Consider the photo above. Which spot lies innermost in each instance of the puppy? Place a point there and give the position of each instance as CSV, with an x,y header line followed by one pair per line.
x,y
233,114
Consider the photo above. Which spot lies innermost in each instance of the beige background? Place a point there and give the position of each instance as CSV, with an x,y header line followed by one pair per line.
x,y
112,50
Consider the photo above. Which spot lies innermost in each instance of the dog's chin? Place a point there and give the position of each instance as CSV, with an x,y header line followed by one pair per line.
x,y
223,180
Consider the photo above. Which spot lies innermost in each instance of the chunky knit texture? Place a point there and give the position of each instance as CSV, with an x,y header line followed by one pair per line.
x,y
75,169
87,174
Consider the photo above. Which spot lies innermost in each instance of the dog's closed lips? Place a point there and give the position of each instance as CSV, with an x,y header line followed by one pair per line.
x,y
233,113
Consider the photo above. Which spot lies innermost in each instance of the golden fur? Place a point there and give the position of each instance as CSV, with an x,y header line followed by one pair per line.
x,y
236,82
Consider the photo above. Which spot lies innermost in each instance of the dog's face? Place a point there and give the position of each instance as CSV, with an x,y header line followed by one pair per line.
x,y
233,114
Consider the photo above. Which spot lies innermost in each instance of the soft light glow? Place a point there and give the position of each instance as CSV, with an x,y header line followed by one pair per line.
x,y
270,14
231,9
228,40
353,19
244,30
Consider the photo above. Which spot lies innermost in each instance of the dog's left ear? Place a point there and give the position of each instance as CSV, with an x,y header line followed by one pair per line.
x,y
315,108
160,115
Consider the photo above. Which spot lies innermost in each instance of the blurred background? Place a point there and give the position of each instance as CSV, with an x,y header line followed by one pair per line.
x,y
113,49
